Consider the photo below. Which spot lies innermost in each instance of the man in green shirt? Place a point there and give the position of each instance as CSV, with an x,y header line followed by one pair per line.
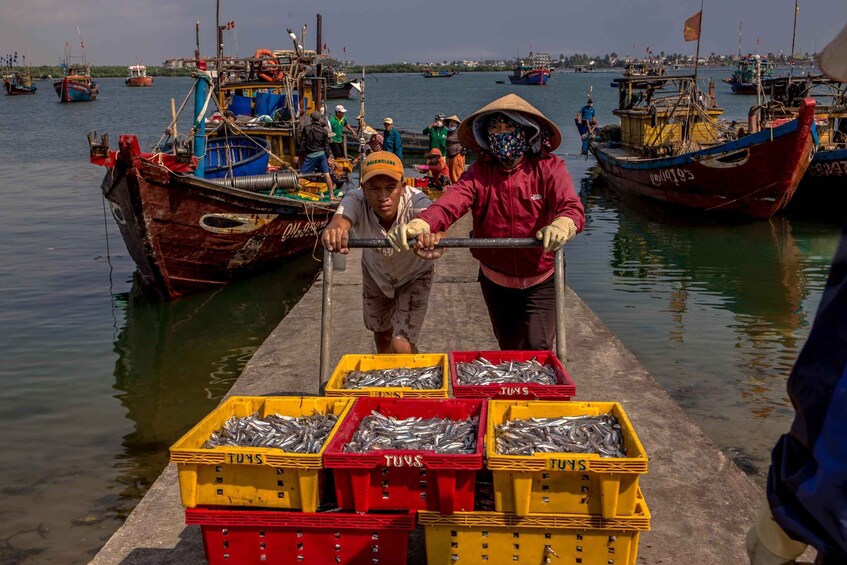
x,y
338,122
437,133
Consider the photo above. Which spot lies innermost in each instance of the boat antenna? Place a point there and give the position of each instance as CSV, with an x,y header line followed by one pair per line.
x,y
793,37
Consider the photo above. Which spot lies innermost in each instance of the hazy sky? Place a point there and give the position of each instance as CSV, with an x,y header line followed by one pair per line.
x,y
117,32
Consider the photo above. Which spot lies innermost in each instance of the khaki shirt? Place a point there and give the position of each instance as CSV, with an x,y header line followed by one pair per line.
x,y
388,268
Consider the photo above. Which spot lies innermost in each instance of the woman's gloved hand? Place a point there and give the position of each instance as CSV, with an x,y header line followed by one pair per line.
x,y
557,234
399,235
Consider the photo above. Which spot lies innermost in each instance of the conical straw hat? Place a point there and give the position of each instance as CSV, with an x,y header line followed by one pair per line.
x,y
833,58
514,103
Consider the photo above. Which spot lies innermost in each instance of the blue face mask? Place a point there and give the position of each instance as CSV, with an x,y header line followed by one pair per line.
x,y
451,128
506,147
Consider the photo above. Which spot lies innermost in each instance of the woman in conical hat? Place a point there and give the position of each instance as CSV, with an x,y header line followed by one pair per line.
x,y
517,188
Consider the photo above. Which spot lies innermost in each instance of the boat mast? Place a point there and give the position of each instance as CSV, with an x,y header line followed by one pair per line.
x,y
697,56
793,38
740,25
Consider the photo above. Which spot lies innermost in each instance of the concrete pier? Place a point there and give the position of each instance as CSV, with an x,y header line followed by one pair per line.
x,y
702,503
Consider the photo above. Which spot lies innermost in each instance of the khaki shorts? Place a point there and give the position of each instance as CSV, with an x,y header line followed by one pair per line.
x,y
404,314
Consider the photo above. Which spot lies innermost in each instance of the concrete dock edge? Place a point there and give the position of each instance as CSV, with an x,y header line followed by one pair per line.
x,y
702,504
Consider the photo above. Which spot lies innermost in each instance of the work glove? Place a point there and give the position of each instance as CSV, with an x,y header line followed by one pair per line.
x,y
768,544
399,235
557,234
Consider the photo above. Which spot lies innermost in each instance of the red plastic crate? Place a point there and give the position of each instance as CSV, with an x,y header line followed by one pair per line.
x,y
234,537
565,389
398,479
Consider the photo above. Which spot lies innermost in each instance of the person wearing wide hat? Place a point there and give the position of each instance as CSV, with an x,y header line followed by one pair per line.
x,y
455,152
438,177
517,188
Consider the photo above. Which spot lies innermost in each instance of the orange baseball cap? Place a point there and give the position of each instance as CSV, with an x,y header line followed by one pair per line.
x,y
434,152
382,163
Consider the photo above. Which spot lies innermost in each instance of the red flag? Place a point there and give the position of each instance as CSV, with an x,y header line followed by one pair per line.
x,y
691,32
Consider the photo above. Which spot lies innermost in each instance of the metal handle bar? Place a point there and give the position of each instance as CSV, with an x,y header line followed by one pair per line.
x,y
463,242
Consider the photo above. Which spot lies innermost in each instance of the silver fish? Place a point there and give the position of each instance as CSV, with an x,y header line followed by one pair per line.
x,y
441,435
294,434
415,378
566,434
483,372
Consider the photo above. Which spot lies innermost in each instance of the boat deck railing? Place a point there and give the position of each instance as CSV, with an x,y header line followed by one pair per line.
x,y
329,266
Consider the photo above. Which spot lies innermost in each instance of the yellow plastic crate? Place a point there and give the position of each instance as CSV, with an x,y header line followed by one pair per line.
x,y
253,476
373,362
567,483
495,537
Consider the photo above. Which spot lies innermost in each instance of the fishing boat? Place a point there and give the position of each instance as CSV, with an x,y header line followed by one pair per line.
x,y
338,83
637,68
438,73
744,77
76,84
138,76
535,71
671,147
197,211
17,80
822,193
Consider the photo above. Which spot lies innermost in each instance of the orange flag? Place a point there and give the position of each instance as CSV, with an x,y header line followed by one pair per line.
x,y
692,27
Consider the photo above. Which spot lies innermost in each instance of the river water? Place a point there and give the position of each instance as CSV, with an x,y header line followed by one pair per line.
x,y
99,380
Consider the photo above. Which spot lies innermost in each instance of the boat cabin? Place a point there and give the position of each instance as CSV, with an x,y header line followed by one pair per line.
x,y
661,115
137,71
262,91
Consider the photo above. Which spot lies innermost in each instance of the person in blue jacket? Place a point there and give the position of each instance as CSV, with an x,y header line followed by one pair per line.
x,y
807,482
391,138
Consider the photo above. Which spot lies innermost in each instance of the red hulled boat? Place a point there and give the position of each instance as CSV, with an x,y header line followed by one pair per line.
x,y
187,233
673,149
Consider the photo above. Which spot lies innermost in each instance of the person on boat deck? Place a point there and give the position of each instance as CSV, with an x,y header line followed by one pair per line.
x,y
806,493
586,116
455,150
436,169
516,189
395,286
391,138
437,133
338,122
314,147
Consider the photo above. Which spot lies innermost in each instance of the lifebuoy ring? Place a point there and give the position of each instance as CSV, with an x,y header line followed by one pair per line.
x,y
269,69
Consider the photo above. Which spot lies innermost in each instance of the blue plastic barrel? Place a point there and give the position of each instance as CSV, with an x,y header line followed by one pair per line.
x,y
241,154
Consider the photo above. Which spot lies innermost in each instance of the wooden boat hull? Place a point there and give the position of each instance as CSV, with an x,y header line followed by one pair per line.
x,y
755,176
822,193
343,90
538,77
187,234
75,90
139,81
15,89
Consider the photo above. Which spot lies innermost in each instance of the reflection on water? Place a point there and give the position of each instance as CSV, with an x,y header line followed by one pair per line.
x,y
717,310
177,359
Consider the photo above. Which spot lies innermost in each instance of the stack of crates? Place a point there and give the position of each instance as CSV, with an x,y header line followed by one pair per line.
x,y
260,504
550,507
403,479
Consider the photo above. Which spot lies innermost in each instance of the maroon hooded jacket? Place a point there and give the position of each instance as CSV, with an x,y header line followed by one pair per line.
x,y
514,203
